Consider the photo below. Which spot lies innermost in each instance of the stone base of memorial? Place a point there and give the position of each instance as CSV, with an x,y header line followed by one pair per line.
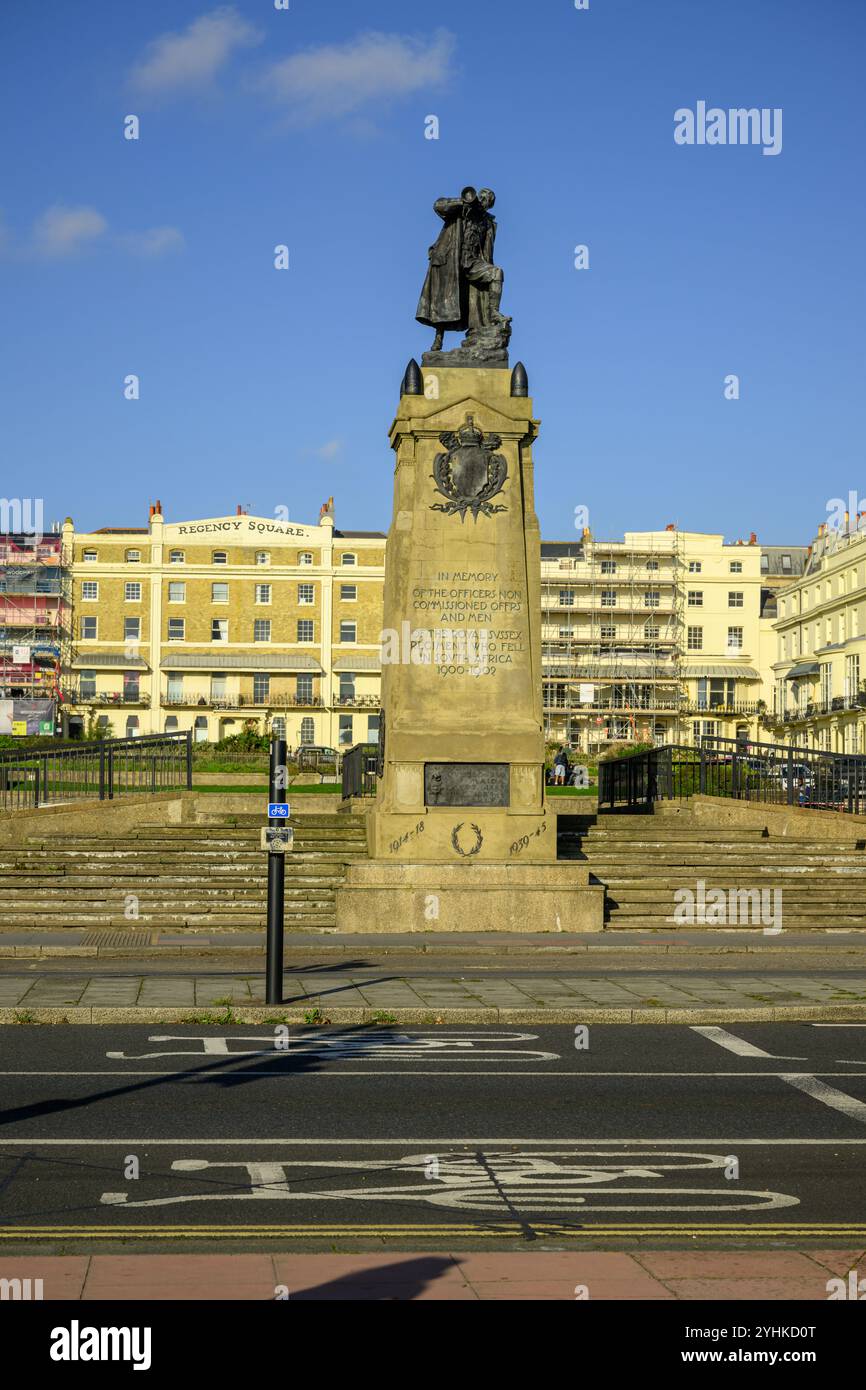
x,y
472,897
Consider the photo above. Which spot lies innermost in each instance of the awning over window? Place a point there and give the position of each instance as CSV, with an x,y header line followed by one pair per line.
x,y
745,673
239,661
95,661
806,668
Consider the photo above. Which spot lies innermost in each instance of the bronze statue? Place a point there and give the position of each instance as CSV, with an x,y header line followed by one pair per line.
x,y
463,288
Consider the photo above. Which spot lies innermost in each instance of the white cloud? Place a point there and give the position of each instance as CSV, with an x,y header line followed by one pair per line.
x,y
194,56
339,80
156,241
329,450
62,231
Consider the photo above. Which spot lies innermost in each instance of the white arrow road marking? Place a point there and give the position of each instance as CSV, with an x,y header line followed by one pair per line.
x,y
739,1045
809,1084
837,1100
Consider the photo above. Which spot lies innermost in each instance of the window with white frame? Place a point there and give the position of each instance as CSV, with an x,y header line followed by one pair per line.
x,y
219,557
88,629
261,687
262,630
695,566
608,566
852,676
219,593
735,639
176,557
305,630
304,689
652,564
263,593
86,684
90,557
346,727
176,629
218,685
263,557
651,632
132,629
608,598
306,593
133,557
566,598
308,729
219,629
652,598
348,558
177,591
348,593
606,631
695,639
696,598
90,589
736,567
735,598
174,693
305,558
348,631
132,593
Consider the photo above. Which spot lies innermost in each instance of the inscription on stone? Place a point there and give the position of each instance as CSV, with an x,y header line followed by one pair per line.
x,y
466,784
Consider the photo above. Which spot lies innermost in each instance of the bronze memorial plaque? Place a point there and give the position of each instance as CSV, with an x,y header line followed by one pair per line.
x,y
466,784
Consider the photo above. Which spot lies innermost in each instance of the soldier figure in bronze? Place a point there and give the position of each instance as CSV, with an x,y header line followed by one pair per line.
x,y
463,288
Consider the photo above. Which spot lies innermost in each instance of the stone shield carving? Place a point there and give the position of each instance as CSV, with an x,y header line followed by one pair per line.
x,y
470,473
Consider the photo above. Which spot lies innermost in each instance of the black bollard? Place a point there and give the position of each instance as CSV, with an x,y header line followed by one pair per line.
x,y
276,880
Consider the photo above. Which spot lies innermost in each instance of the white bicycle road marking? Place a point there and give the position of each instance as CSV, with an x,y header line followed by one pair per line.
x,y
561,1180
405,1046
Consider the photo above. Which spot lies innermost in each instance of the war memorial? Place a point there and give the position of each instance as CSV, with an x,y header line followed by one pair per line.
x,y
461,833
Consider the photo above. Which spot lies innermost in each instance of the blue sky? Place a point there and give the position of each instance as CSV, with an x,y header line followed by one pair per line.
x,y
306,127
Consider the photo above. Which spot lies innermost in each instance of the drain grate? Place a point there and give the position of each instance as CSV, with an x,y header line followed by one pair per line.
x,y
116,938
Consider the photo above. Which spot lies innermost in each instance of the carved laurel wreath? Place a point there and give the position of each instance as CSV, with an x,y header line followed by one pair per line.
x,y
479,840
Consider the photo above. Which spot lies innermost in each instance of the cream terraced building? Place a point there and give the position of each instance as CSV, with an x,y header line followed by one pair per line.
x,y
664,636
820,667
216,624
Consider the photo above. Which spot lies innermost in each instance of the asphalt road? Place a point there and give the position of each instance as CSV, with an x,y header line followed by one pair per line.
x,y
477,1135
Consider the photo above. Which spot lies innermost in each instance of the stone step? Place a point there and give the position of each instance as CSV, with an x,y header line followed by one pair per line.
x,y
167,918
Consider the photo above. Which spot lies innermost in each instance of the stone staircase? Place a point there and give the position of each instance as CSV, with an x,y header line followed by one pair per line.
x,y
201,876
643,859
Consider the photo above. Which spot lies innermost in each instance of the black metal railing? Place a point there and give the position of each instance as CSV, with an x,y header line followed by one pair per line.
x,y
359,770
100,769
762,772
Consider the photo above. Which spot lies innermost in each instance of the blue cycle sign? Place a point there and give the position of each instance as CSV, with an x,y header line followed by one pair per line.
x,y
278,810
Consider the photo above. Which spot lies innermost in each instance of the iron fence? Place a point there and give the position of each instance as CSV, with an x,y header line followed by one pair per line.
x,y
762,772
101,770
359,770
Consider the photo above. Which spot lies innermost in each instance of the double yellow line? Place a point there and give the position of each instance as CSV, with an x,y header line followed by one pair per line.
x,y
472,1230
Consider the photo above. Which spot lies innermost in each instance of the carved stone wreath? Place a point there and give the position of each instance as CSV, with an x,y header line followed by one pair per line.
x,y
455,843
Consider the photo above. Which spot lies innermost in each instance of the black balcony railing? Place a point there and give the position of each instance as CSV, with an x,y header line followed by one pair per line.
x,y
131,695
745,771
100,769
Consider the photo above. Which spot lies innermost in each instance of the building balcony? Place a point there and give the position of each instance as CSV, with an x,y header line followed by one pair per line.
x,y
693,705
274,700
130,696
357,701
